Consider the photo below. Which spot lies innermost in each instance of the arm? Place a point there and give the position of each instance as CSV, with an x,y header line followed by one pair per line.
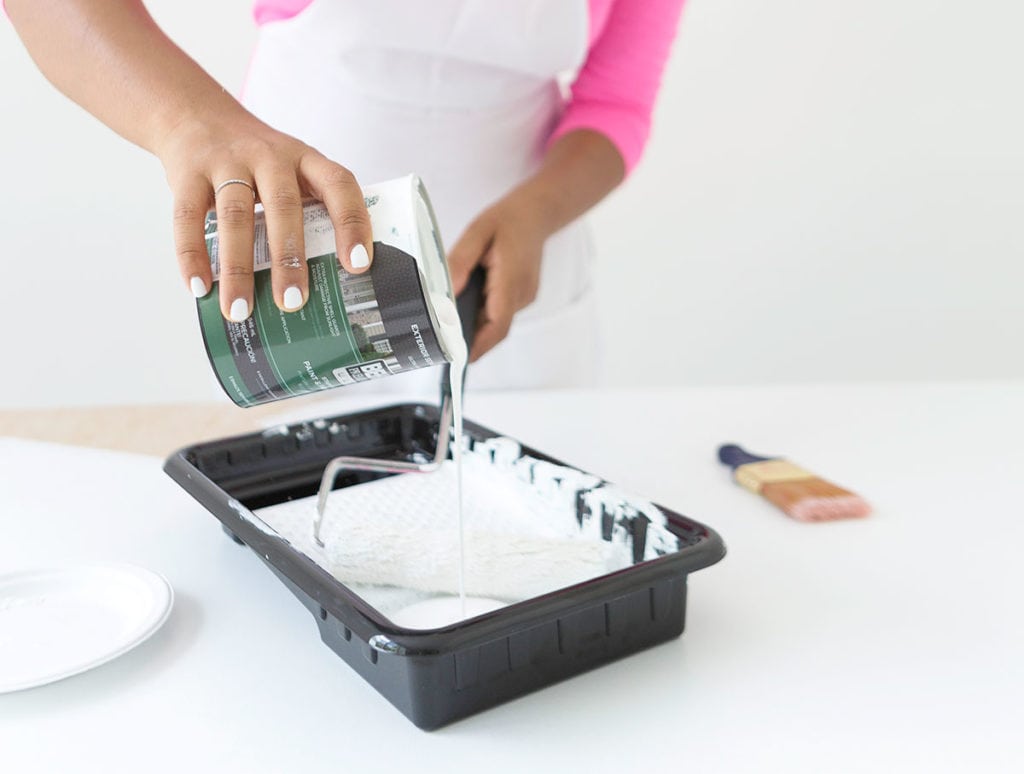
x,y
616,89
579,170
597,142
110,57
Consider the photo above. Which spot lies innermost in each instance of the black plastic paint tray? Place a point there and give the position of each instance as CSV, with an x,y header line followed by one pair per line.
x,y
439,675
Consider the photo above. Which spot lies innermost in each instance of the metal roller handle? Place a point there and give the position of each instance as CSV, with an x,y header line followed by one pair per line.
x,y
338,464
469,303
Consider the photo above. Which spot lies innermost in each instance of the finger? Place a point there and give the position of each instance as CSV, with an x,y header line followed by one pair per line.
x,y
337,188
235,211
191,203
496,315
282,203
467,252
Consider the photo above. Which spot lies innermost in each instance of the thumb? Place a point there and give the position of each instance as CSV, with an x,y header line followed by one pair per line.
x,y
466,253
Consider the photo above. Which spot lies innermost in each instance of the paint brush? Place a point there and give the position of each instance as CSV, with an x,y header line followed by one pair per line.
x,y
797,492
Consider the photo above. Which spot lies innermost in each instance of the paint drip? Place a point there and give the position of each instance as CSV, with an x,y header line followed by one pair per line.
x,y
445,610
450,330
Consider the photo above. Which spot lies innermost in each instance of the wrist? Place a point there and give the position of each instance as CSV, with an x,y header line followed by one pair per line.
x,y
190,123
578,170
538,206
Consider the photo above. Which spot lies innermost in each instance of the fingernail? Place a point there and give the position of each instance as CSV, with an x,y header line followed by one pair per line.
x,y
239,311
292,298
359,258
198,286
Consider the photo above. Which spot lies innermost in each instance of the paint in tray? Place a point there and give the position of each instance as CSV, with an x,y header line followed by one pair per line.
x,y
530,528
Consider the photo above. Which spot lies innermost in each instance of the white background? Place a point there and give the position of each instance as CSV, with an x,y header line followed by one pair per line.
x,y
833,192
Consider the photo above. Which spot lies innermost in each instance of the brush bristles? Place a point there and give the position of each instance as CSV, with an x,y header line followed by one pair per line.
x,y
814,499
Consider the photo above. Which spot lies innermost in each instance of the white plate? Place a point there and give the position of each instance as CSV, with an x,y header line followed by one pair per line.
x,y
58,623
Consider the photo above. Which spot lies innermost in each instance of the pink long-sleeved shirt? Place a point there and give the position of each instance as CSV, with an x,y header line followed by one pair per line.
x,y
615,90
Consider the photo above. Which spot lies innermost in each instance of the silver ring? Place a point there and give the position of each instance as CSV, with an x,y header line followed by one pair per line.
x,y
235,181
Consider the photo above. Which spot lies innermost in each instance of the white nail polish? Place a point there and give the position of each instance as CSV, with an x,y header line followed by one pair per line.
x,y
359,258
199,288
292,298
239,311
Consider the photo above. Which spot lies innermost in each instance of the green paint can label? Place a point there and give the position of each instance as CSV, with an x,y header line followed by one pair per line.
x,y
353,328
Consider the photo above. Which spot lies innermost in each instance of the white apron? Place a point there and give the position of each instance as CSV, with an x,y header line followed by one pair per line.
x,y
463,93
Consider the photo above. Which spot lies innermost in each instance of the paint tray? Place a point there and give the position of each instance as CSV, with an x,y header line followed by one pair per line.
x,y
263,487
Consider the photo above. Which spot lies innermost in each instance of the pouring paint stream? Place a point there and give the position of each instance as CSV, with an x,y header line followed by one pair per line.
x,y
451,334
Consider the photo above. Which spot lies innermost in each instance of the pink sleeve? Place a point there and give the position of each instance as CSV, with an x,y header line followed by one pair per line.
x,y
264,11
614,93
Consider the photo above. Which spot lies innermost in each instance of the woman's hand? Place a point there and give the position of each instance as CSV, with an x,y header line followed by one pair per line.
x,y
131,76
507,239
200,154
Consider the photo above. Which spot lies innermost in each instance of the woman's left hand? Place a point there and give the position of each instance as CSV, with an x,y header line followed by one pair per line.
x,y
507,239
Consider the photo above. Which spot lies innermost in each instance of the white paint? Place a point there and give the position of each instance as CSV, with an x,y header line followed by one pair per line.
x,y
505,452
251,518
441,611
449,330
277,430
393,542
400,533
624,507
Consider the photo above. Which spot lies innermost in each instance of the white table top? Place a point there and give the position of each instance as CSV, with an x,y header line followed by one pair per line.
x,y
894,643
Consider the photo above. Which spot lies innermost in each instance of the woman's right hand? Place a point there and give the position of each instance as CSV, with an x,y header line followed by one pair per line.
x,y
200,154
131,76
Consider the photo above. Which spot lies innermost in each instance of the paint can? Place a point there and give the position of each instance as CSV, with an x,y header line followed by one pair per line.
x,y
353,328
